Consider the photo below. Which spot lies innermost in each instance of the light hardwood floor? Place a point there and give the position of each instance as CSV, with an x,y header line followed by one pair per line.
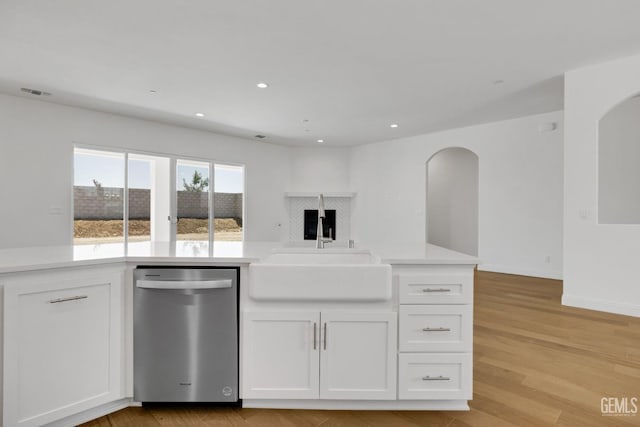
x,y
536,363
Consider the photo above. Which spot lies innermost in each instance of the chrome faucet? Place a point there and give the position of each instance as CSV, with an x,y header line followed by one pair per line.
x,y
320,239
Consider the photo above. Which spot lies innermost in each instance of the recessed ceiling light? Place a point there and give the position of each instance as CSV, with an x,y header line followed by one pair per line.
x,y
199,114
320,141
498,82
393,125
305,121
262,85
152,91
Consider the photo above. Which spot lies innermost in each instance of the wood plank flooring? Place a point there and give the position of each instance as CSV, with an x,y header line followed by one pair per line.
x,y
536,363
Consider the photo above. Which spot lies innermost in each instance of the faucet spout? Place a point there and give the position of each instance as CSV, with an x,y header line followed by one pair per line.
x,y
320,239
321,213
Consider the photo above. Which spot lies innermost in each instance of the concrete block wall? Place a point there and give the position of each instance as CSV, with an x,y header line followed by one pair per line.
x,y
227,205
139,203
193,204
97,203
91,202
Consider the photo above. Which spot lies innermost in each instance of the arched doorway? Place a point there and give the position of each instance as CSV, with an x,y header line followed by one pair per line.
x,y
452,200
618,157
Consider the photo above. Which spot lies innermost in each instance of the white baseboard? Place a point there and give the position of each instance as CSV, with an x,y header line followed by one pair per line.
x,y
557,275
92,414
369,405
601,305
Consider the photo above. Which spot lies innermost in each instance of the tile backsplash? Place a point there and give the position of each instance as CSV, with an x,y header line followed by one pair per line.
x,y
298,204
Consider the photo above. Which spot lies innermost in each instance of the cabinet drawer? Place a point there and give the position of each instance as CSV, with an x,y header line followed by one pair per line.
x,y
436,288
438,328
435,376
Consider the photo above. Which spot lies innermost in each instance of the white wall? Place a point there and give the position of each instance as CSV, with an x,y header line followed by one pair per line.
x,y
520,191
520,179
319,169
36,159
452,200
601,261
618,164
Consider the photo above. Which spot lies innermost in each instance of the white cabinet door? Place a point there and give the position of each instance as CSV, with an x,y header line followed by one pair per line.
x,y
280,355
358,355
62,344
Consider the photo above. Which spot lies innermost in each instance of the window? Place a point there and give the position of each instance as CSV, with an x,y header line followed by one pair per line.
x,y
162,199
98,197
149,202
228,202
192,194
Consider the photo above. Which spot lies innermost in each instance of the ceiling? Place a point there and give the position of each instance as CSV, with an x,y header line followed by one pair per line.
x,y
350,68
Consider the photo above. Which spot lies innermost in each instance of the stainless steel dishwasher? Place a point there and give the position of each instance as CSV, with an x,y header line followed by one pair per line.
x,y
185,334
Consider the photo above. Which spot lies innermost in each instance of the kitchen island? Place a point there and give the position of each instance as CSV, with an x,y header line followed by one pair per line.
x,y
70,361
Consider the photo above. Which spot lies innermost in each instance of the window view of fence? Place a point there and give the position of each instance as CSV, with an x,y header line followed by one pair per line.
x,y
192,195
99,208
98,197
228,202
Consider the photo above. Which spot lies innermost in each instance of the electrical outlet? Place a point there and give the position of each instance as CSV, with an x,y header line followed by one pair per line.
x,y
547,259
55,210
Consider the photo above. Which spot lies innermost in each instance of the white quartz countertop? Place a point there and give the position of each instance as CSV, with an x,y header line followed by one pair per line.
x,y
193,252
419,254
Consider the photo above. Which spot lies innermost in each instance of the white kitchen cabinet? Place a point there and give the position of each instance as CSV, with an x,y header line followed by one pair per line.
x,y
280,355
436,376
426,287
435,333
326,355
62,344
358,356
436,328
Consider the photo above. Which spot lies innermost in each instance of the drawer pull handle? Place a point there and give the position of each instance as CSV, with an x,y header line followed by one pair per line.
x,y
436,290
325,336
438,378
315,334
77,297
436,329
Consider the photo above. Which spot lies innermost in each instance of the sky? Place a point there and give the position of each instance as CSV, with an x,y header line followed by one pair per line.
x,y
109,171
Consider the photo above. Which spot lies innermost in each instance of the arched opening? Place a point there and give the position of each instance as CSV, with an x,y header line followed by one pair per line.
x,y
452,200
618,160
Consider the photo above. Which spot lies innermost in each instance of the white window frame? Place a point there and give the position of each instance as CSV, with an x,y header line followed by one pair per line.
x,y
173,201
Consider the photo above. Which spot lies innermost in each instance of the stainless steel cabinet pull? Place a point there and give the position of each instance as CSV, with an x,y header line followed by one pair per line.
x,y
315,334
436,290
77,297
436,329
438,378
325,336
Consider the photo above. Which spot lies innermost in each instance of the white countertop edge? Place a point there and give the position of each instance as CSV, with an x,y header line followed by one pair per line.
x,y
122,260
45,258
432,261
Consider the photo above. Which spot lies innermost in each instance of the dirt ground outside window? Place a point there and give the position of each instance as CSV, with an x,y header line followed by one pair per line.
x,y
109,231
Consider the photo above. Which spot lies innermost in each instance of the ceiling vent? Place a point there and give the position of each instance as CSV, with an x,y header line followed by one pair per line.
x,y
260,136
35,92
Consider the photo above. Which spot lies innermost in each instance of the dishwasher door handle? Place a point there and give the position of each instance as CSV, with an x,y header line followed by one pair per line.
x,y
184,284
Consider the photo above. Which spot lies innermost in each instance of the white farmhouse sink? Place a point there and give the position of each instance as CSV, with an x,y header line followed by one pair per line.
x,y
320,275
